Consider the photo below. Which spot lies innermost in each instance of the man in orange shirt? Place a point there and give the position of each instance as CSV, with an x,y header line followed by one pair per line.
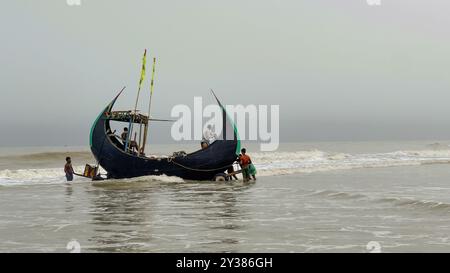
x,y
245,161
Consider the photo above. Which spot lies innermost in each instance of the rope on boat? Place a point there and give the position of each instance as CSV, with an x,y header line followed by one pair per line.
x,y
170,159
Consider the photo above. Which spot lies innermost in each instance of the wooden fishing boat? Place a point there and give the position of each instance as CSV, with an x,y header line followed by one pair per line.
x,y
206,164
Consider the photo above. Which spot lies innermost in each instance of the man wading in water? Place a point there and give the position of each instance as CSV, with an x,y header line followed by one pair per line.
x,y
68,169
246,166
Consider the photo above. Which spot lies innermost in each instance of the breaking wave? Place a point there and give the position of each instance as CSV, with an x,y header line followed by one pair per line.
x,y
281,163
267,164
33,176
415,203
338,194
56,175
399,202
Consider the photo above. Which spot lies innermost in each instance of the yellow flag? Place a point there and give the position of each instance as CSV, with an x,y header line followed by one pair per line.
x,y
153,76
143,69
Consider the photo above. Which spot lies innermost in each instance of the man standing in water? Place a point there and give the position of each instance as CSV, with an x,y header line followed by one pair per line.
x,y
245,161
68,169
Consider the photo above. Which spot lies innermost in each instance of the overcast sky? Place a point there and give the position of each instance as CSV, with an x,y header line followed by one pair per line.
x,y
340,70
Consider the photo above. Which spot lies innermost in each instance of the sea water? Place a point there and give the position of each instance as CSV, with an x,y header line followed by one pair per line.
x,y
309,197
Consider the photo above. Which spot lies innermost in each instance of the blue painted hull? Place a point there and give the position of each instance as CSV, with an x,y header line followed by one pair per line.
x,y
200,165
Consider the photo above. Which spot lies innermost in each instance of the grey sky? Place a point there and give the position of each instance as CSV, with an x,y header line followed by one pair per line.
x,y
340,70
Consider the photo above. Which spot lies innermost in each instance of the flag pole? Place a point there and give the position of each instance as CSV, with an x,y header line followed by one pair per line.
x,y
133,114
149,105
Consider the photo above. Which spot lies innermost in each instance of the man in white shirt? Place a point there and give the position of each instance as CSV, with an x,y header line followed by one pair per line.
x,y
208,135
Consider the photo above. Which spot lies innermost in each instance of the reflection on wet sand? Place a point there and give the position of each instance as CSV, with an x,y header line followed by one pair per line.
x,y
148,216
68,201
118,216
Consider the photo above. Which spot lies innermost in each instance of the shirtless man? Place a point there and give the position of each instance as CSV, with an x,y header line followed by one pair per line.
x,y
68,169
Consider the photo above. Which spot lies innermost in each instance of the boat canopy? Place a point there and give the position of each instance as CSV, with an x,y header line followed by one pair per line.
x,y
127,116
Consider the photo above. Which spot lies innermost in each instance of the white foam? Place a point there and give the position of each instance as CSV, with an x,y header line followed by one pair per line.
x,y
33,176
159,178
269,164
56,175
266,163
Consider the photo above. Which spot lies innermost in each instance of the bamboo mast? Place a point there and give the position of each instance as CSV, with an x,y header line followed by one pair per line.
x,y
133,114
149,106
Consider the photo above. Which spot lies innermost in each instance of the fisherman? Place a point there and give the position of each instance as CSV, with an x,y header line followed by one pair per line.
x,y
245,161
209,135
68,169
132,144
124,135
